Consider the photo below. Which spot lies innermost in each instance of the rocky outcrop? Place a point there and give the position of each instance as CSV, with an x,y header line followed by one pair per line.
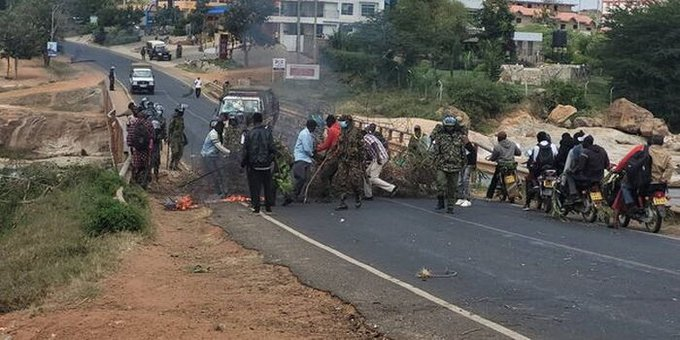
x,y
561,114
456,112
580,122
629,117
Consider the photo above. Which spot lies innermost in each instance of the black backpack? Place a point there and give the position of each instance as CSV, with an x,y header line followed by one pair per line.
x,y
545,156
259,143
142,137
639,169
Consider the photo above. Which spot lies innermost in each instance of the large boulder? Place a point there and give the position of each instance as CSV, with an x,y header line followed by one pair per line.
x,y
580,122
561,114
629,117
456,112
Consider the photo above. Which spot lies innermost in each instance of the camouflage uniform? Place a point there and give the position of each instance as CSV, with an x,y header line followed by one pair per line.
x,y
176,140
232,138
351,167
449,159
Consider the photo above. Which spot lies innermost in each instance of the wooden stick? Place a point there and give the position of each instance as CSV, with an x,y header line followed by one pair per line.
x,y
309,183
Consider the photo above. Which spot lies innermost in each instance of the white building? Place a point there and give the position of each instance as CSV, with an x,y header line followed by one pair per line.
x,y
329,17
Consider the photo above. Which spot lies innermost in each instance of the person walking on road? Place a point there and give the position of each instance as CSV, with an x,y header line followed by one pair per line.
x,y
177,139
258,157
449,159
377,158
143,53
213,153
198,84
303,154
330,163
351,156
112,78
140,140
466,173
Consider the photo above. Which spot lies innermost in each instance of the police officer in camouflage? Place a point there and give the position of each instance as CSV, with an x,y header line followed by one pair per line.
x,y
177,140
449,159
351,157
233,135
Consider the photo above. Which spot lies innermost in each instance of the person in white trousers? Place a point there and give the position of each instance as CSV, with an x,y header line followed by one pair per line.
x,y
377,158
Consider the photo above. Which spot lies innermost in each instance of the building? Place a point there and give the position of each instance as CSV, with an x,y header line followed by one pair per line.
x,y
188,5
528,46
328,15
560,14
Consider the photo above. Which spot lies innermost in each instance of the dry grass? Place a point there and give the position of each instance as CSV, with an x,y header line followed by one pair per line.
x,y
48,249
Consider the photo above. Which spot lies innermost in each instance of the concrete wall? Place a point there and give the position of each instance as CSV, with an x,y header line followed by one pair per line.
x,y
537,76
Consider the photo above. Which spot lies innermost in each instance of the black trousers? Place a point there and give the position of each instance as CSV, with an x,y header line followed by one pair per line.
x,y
327,173
258,180
198,92
494,183
112,82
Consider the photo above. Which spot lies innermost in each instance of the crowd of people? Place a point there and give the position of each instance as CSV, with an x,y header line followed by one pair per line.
x,y
351,160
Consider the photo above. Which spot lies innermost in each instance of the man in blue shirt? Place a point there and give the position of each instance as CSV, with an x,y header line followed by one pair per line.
x,y
304,154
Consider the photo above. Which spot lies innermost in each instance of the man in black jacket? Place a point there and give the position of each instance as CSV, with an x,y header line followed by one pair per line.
x,y
258,156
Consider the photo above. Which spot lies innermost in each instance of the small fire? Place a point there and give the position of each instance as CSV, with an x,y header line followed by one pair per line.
x,y
236,199
185,203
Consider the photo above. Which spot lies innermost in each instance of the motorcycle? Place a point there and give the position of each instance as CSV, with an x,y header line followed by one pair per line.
x,y
509,183
589,200
652,209
546,187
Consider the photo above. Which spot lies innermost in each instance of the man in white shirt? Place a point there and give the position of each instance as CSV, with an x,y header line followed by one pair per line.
x,y
198,84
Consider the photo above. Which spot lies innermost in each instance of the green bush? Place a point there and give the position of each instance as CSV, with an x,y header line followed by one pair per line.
x,y
481,98
564,93
178,30
109,216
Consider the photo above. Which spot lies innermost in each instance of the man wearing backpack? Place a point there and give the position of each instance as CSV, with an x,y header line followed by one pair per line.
x,y
258,157
139,139
543,156
589,167
642,166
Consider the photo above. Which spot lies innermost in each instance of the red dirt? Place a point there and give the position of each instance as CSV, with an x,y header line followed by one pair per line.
x,y
156,294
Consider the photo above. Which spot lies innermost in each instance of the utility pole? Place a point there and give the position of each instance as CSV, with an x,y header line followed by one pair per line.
x,y
53,27
316,13
297,33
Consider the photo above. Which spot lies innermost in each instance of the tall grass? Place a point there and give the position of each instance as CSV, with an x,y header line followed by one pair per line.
x,y
56,239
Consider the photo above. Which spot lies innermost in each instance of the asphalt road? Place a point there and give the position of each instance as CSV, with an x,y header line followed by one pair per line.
x,y
535,275
170,92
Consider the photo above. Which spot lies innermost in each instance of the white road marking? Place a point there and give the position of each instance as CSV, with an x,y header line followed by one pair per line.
x,y
458,310
534,239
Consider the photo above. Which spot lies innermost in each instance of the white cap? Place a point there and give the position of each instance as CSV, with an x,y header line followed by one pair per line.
x,y
582,138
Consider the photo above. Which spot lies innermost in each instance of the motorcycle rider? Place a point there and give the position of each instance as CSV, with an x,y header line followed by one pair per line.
x,y
588,168
661,170
503,154
542,157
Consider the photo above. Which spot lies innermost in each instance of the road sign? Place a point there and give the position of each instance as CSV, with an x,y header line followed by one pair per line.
x,y
51,48
303,71
279,64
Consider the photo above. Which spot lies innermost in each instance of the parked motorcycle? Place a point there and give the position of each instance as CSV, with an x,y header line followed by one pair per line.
x,y
509,183
588,202
652,209
546,187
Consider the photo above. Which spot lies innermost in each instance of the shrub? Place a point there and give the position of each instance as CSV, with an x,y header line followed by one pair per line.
x,y
559,92
480,97
109,216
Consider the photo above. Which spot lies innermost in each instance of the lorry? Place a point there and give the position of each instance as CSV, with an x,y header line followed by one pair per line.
x,y
240,103
157,49
141,78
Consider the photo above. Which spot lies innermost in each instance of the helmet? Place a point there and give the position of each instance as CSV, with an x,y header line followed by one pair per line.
x,y
449,121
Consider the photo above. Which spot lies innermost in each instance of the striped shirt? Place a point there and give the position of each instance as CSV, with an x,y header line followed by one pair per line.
x,y
376,150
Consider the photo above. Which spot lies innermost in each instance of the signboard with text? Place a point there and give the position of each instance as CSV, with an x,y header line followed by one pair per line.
x,y
279,64
52,49
303,71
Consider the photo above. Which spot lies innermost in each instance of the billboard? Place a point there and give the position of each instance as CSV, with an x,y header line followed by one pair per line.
x,y
303,71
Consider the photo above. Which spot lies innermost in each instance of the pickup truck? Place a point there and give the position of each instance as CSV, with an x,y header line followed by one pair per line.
x,y
142,79
157,50
242,102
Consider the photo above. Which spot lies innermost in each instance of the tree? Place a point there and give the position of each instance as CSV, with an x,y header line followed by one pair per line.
x,y
197,17
497,21
431,29
244,21
492,58
18,38
641,53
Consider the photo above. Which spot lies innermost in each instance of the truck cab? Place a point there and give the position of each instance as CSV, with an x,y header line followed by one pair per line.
x,y
157,49
242,103
142,78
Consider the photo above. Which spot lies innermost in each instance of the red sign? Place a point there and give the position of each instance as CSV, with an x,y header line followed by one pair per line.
x,y
302,71
224,46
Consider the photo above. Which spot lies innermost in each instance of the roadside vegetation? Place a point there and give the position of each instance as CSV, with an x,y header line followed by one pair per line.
x,y
62,228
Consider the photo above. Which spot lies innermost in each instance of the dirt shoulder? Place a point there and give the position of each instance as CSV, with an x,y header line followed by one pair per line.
x,y
191,281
